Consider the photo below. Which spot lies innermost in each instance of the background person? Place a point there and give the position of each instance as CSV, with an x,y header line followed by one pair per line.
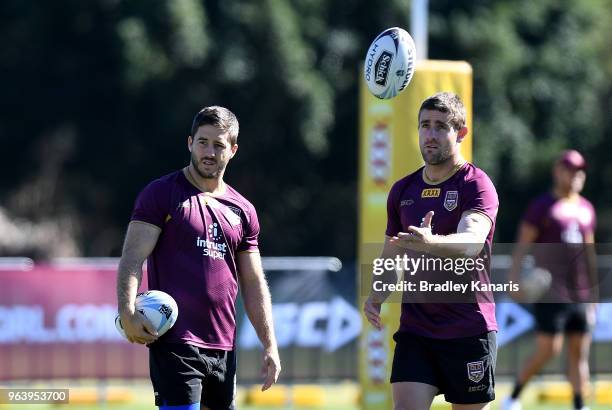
x,y
561,216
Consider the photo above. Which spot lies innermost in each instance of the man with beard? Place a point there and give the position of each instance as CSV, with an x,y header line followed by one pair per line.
x,y
447,348
200,239
559,226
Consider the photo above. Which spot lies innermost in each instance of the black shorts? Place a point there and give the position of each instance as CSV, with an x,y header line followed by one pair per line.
x,y
184,374
553,318
463,369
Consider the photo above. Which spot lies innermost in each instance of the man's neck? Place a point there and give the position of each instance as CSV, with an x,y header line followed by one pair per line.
x,y
565,194
439,172
213,186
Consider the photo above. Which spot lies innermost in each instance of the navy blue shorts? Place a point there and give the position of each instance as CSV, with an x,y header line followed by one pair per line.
x,y
553,318
184,374
463,369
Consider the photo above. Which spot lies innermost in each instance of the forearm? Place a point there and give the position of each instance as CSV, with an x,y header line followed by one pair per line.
x,y
258,306
379,293
384,274
462,244
139,242
129,276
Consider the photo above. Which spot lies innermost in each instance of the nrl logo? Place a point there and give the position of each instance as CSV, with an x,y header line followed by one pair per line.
x,y
475,371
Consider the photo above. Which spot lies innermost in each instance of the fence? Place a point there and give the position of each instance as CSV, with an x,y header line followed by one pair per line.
x,y
57,321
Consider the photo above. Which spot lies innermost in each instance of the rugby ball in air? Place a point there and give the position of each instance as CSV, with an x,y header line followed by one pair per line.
x,y
159,307
389,64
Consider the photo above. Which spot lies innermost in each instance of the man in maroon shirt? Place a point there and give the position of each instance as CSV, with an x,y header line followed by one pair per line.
x,y
200,239
446,208
566,219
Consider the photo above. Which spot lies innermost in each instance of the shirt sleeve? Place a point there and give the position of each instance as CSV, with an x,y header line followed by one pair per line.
x,y
152,204
250,239
593,224
394,222
535,213
479,195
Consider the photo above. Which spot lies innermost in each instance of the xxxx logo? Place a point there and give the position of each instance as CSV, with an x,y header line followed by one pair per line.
x,y
430,193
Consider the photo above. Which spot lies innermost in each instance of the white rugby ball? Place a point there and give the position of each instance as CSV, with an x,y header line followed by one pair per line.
x,y
389,64
535,283
159,307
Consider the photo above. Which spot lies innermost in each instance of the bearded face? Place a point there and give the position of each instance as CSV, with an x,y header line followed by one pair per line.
x,y
438,139
210,151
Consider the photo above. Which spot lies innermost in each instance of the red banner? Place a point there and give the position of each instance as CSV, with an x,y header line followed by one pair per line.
x,y
58,322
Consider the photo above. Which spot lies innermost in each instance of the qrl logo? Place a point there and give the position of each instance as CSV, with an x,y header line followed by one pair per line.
x,y
382,68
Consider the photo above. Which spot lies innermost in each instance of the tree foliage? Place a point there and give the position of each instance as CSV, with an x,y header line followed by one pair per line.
x,y
98,98
541,79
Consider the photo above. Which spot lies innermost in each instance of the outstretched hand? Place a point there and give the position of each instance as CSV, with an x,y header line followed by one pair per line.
x,y
415,236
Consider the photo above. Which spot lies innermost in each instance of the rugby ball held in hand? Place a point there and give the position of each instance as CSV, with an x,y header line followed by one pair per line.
x,y
389,64
159,307
535,283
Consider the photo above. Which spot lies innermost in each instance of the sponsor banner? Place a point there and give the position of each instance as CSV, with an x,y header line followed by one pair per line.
x,y
327,325
312,308
59,323
317,326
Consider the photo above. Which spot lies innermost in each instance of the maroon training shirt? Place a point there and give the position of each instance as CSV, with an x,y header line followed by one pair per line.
x,y
469,188
195,257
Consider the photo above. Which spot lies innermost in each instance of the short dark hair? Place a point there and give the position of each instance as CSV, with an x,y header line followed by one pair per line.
x,y
219,117
448,103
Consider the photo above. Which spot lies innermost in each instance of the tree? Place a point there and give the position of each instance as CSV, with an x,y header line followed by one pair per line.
x,y
541,81
99,96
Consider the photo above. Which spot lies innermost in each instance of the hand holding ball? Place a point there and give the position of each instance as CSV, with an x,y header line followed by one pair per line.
x,y
157,306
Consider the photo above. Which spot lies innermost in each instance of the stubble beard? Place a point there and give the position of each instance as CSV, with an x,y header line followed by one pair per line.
x,y
202,174
438,158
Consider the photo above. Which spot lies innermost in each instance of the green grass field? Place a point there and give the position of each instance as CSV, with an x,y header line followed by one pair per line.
x,y
137,396
526,406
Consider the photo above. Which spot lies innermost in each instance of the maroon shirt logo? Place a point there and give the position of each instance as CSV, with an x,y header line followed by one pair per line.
x,y
451,200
